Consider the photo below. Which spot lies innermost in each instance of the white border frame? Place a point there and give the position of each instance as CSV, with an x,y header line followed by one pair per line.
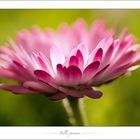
x,y
69,132
80,133
67,4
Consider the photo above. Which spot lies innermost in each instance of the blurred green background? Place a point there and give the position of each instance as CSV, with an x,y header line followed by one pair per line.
x,y
120,105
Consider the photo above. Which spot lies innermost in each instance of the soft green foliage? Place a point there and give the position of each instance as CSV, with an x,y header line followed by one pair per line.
x,y
120,105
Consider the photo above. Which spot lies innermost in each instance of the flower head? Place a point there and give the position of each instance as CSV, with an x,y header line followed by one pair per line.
x,y
67,63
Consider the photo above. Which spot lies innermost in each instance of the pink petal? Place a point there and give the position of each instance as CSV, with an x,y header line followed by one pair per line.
x,y
10,75
62,75
24,38
126,58
24,72
72,92
39,86
56,56
99,76
73,61
98,55
68,76
93,94
90,70
81,29
102,71
42,62
47,62
34,57
84,50
67,39
16,89
126,41
104,44
74,75
45,77
112,71
23,91
117,72
57,96
125,44
108,55
80,59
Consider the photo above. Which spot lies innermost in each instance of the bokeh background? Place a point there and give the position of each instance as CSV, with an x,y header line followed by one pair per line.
x,y
120,105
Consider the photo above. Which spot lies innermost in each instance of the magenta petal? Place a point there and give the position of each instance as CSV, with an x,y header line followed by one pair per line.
x,y
108,56
45,77
98,55
24,72
23,91
8,87
126,40
57,96
62,73
109,51
10,75
83,48
72,92
39,86
73,61
90,70
46,61
95,81
56,56
80,59
74,75
94,94
126,58
106,43
41,62
16,89
117,72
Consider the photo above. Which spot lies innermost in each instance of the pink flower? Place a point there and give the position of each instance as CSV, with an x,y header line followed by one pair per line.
x,y
67,63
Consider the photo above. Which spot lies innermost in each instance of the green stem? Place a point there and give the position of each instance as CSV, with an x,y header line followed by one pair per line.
x,y
75,110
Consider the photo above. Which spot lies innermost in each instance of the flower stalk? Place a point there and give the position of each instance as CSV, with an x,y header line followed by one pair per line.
x,y
75,110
